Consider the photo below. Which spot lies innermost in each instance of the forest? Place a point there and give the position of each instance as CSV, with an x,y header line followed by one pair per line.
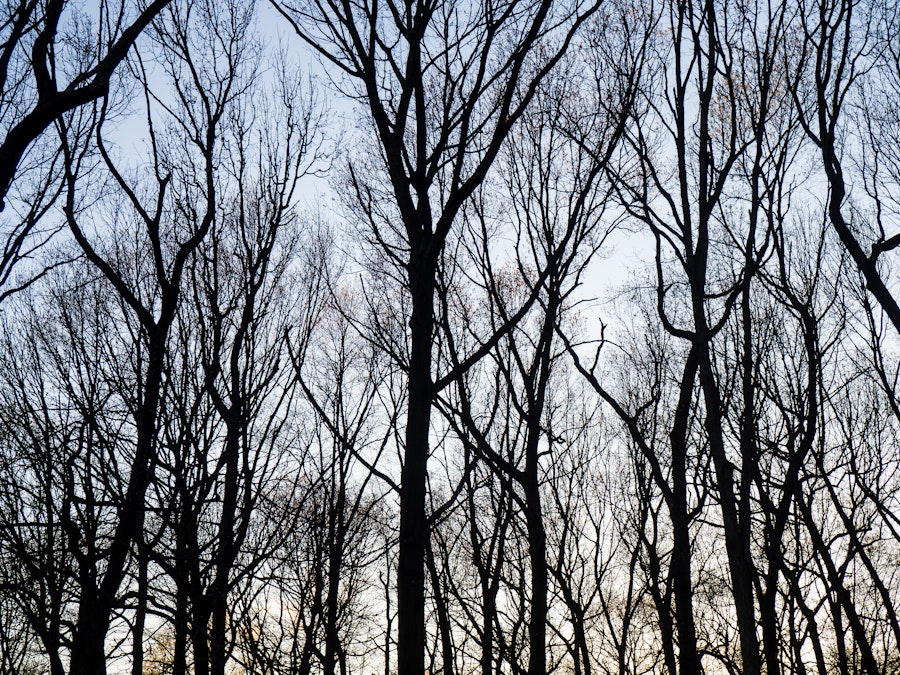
x,y
435,337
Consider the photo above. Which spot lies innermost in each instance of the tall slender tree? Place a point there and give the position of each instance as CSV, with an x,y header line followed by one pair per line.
x,y
442,85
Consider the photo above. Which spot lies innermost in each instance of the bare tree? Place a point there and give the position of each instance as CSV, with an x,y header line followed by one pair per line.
x,y
175,212
442,86
556,209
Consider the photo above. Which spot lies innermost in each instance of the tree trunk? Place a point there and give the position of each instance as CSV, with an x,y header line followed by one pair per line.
x,y
413,521
680,564
88,647
227,551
